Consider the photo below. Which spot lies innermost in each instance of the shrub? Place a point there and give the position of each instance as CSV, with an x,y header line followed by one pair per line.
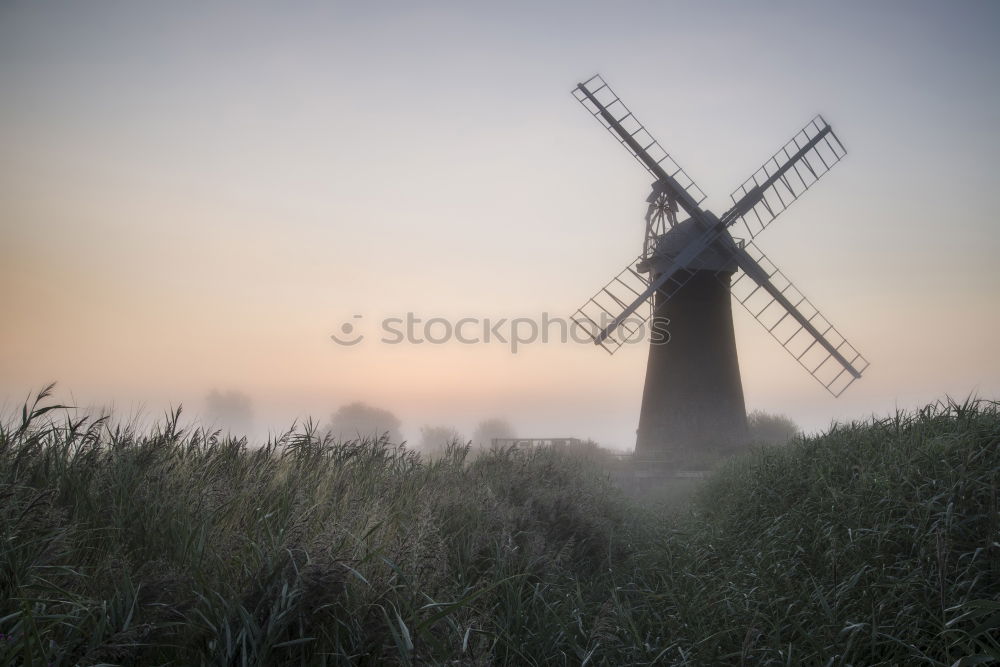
x,y
771,428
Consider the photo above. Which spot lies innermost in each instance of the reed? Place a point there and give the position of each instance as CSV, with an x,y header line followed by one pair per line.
x,y
874,543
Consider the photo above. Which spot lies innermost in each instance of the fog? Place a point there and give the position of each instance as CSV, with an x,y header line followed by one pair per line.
x,y
196,199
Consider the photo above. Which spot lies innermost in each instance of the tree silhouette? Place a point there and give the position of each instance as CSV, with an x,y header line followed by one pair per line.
x,y
361,420
492,428
436,438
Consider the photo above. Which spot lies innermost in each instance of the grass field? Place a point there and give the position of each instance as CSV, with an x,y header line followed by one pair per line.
x,y
874,543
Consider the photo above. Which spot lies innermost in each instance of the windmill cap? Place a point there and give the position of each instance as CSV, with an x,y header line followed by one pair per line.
x,y
678,237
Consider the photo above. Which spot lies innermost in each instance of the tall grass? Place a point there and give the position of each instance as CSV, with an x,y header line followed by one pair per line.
x,y
876,543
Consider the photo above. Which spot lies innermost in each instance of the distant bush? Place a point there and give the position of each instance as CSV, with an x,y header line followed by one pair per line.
x,y
771,428
875,543
434,440
491,429
360,420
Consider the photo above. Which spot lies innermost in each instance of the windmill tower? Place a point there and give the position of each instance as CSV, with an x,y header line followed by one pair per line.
x,y
687,275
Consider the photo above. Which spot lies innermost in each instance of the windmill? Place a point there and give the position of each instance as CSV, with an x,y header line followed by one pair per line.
x,y
688,274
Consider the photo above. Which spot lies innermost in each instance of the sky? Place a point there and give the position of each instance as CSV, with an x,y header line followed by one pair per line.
x,y
196,196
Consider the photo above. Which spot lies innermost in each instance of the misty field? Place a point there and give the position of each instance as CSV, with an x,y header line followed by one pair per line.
x,y
875,543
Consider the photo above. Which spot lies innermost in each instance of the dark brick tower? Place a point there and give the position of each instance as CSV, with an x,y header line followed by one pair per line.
x,y
692,401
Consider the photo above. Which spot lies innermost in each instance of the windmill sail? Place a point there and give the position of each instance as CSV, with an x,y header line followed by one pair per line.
x,y
597,97
785,176
612,316
794,321
608,303
613,307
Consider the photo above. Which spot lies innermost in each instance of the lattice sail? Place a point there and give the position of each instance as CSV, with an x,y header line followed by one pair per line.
x,y
610,320
807,349
785,176
672,276
643,147
609,302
